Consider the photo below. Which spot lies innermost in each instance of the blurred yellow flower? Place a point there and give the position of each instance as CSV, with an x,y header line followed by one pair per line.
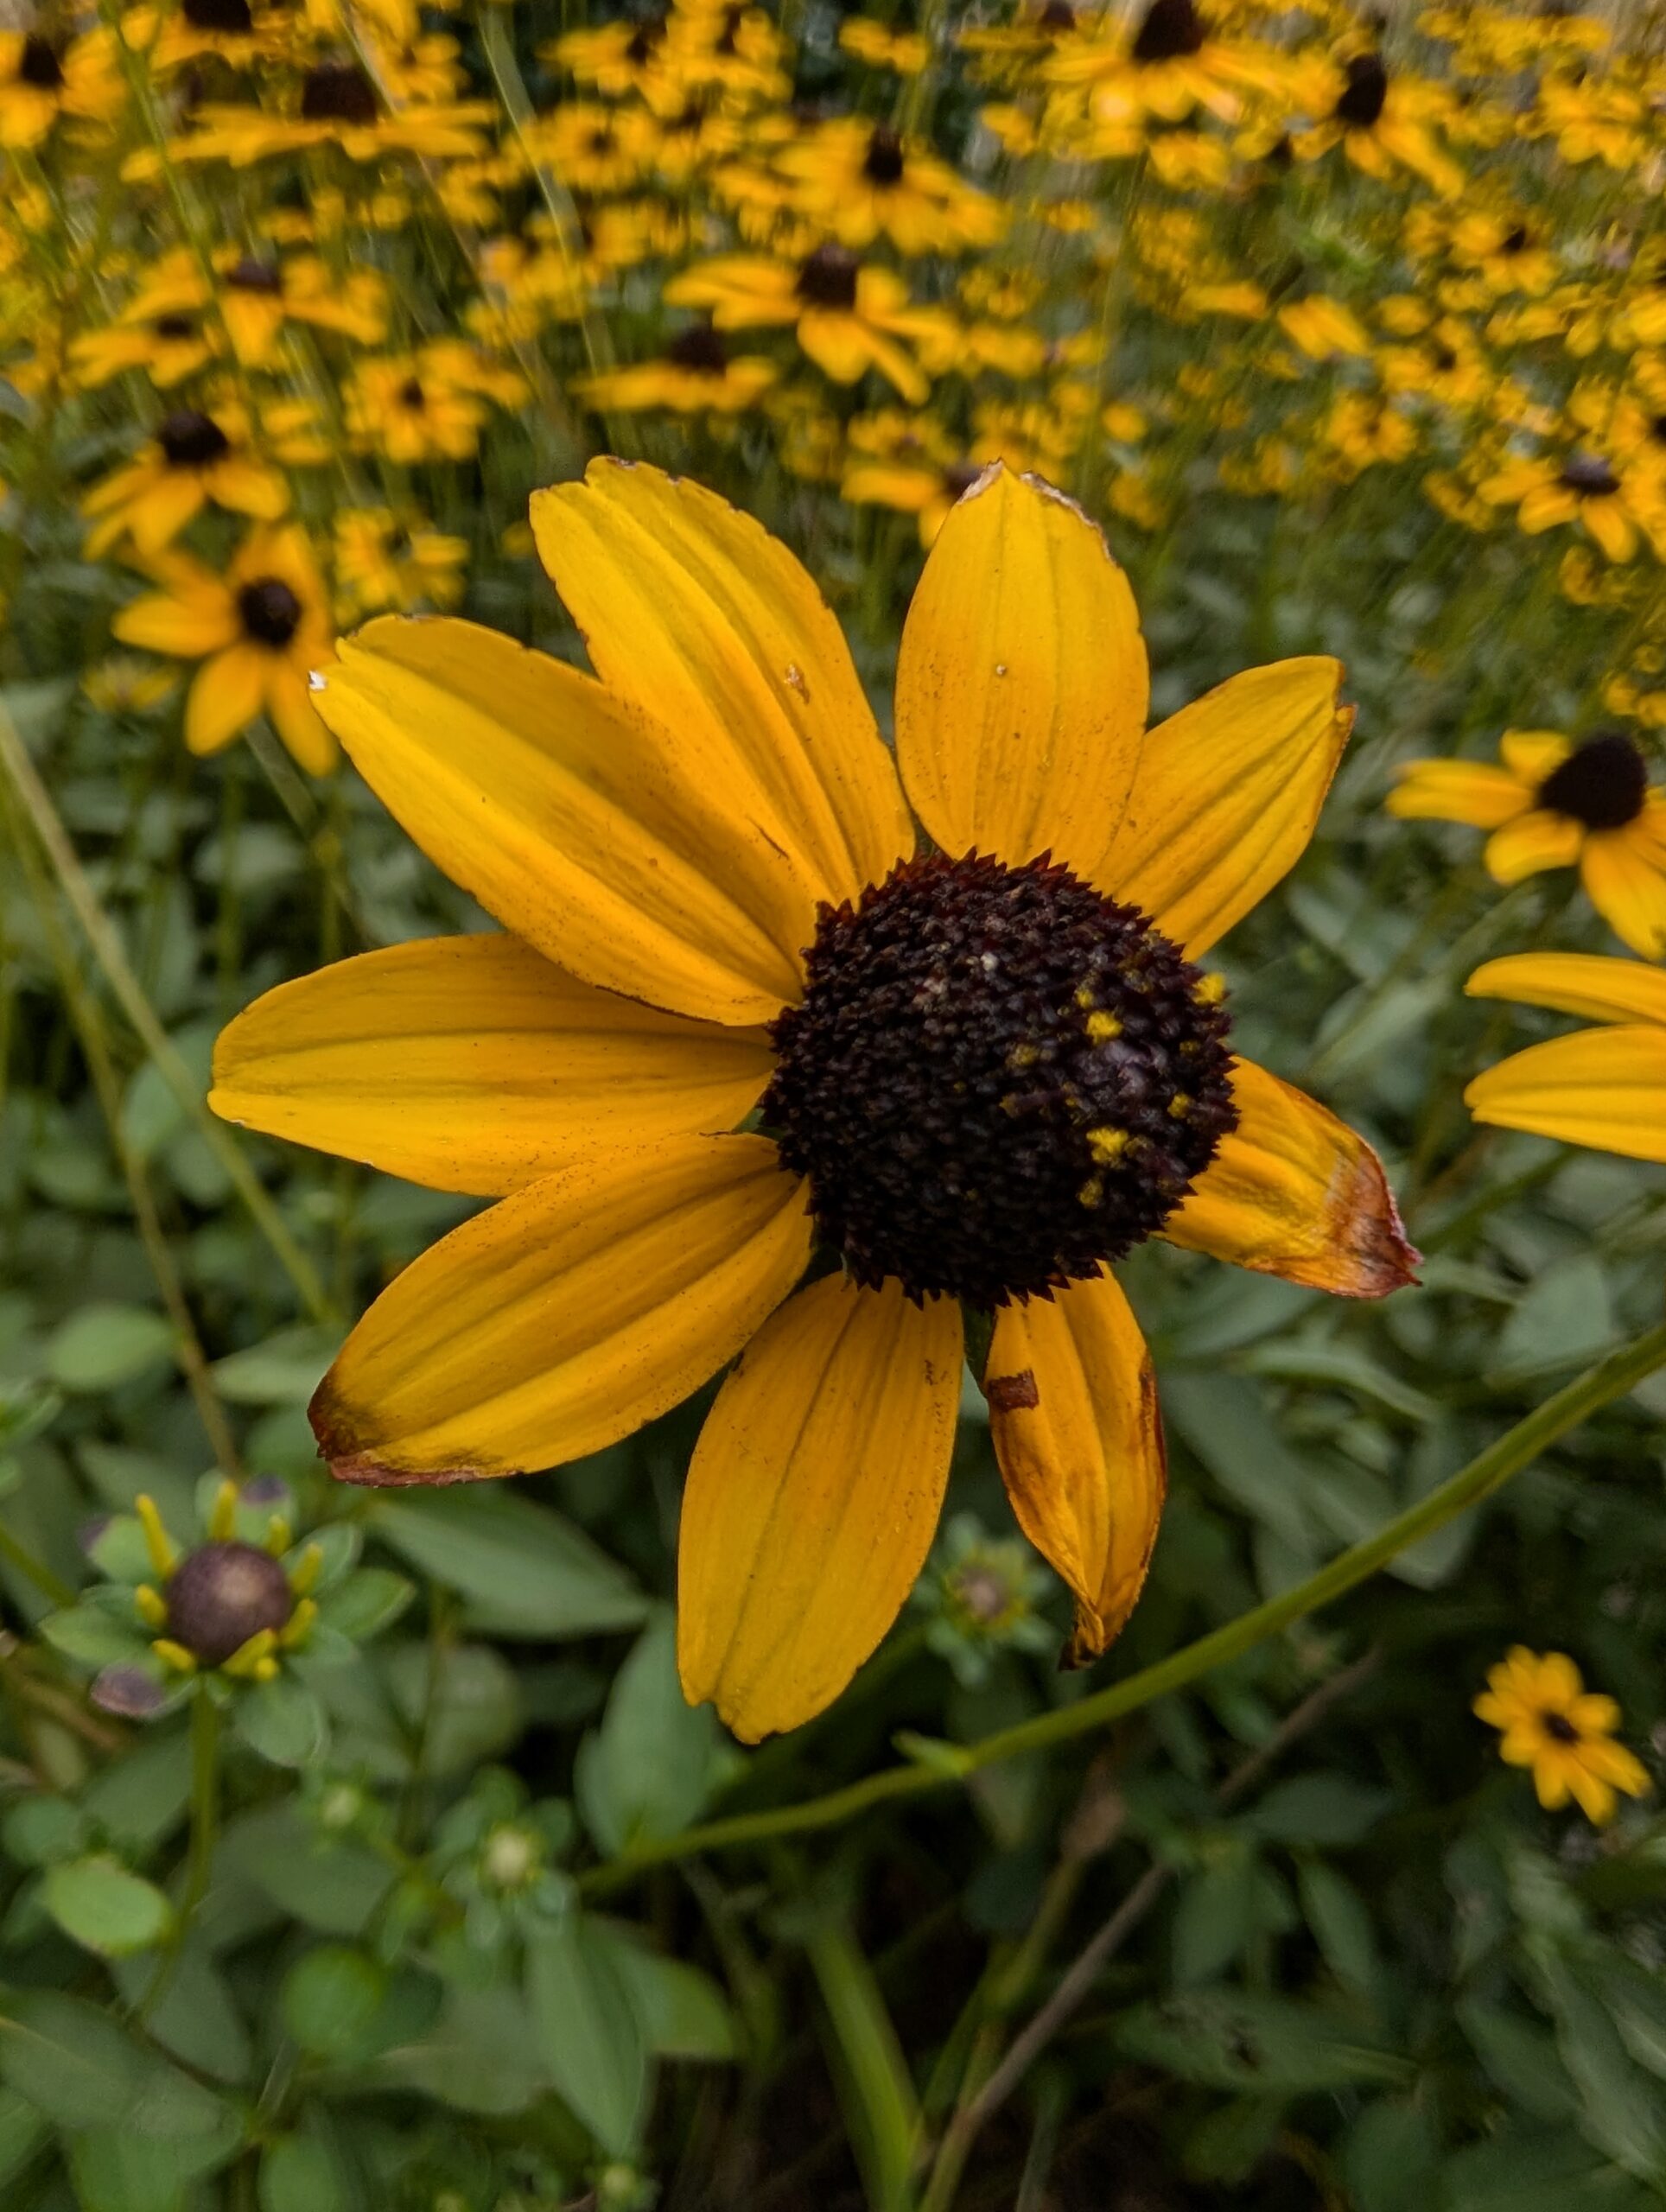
x,y
1562,1732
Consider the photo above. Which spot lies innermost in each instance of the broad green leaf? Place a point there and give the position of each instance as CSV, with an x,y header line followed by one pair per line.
x,y
481,2055
586,2029
367,1603
1521,2057
83,2071
523,1569
1620,2110
1340,1922
330,1997
23,2130
1228,2039
331,1886
286,1369
100,1906
682,2011
1216,1916
102,1345
646,1771
1390,2157
283,1720
297,2174
122,2170
1329,1810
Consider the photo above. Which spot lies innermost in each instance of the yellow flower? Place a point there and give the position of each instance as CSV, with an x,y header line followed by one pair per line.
x,y
863,181
882,47
1383,124
1553,804
1618,507
259,631
40,80
982,1077
849,317
122,684
335,106
1561,1731
194,459
696,377
1602,1088
1174,62
385,560
428,405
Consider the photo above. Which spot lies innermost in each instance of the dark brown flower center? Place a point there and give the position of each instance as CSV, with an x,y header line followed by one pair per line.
x,y
1057,16
828,278
1602,784
230,18
269,611
338,91
1365,94
997,1080
220,1595
1513,242
699,347
883,163
643,41
1172,30
412,395
191,441
1559,1728
173,326
38,65
1589,477
251,276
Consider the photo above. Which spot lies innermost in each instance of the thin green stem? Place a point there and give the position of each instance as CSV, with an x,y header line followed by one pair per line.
x,y
205,1829
112,956
50,1585
1610,1378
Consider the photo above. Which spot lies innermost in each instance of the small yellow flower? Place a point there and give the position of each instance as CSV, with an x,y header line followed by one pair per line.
x,y
1551,804
696,375
1561,1731
194,460
259,630
1603,1088
383,559
882,47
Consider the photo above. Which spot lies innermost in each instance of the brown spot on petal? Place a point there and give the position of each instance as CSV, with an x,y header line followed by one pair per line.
x,y
1012,1394
1372,1255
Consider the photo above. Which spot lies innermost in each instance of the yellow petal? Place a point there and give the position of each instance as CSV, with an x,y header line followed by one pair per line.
x,y
1457,791
811,1500
1021,680
1574,983
1532,844
615,848
1603,1088
1626,884
567,1315
1293,1192
225,697
1533,754
1073,1414
695,614
188,625
471,1064
288,705
1226,796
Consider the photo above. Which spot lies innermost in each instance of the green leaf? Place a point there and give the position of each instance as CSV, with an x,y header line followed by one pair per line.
x,y
195,2016
1620,2110
284,1370
1340,1922
23,2130
330,1999
523,1569
682,2012
481,2055
646,1772
1537,2170
83,2071
121,2170
283,1720
139,1798
102,1345
105,1909
39,1831
1521,2058
461,1701
1390,2157
586,2029
1228,2039
297,2174
870,2072
1216,1916
1328,1810
96,1633
328,1883
366,1603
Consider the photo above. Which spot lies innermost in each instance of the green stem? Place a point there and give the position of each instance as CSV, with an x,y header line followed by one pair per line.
x,y
51,1586
205,1827
1610,1378
108,950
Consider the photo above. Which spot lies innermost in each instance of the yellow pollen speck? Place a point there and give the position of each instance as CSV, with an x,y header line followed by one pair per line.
x,y
1092,1191
1023,1056
150,1605
1209,990
175,1655
1101,1027
1180,1105
1084,997
1107,1145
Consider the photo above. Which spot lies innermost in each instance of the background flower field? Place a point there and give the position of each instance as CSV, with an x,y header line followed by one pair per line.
x,y
433,1895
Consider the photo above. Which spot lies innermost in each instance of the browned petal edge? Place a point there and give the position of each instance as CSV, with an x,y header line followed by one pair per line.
x,y
1368,1255
352,1459
1091,1637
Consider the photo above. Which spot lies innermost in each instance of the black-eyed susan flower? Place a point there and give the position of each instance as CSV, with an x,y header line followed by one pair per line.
x,y
1175,60
168,346
428,405
850,316
42,80
1383,121
1551,804
881,46
979,1074
1618,506
334,104
1561,1731
193,461
1603,1088
383,561
863,181
259,630
697,375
